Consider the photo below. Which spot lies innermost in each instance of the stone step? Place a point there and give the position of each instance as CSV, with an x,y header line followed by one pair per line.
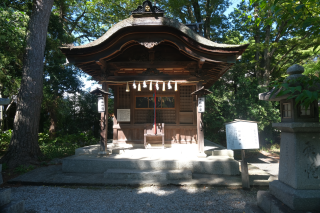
x,y
218,165
15,206
212,150
219,152
5,196
160,175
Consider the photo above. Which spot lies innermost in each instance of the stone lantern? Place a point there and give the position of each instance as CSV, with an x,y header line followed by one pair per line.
x,y
298,186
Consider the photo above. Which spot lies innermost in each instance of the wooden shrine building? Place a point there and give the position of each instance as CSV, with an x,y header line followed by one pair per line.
x,y
149,54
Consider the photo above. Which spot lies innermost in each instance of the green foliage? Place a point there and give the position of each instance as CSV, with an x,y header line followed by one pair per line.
x,y
305,90
64,145
301,16
13,29
235,96
5,138
23,169
312,66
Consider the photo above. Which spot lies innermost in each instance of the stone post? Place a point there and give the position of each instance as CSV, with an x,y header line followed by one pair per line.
x,y
298,186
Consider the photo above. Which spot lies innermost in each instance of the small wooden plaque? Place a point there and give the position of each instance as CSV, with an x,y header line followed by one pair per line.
x,y
123,115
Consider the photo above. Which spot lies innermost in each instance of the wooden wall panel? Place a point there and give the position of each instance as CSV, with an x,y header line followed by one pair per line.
x,y
186,117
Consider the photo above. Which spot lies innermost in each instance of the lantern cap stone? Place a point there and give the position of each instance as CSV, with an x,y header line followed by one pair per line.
x,y
295,69
272,96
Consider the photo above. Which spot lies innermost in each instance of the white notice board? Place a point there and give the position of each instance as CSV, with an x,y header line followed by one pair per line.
x,y
201,106
101,107
123,115
242,135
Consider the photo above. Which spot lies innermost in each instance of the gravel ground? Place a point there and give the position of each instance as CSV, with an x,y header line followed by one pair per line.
x,y
122,199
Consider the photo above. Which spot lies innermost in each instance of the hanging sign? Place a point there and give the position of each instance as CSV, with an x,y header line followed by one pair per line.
x,y
101,106
242,134
201,106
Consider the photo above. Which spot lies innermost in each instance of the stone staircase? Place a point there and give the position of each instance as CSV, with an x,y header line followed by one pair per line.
x,y
177,162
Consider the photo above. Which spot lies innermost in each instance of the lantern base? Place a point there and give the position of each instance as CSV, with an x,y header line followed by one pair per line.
x,y
297,199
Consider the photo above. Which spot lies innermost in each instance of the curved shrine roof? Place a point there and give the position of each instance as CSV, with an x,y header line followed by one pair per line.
x,y
154,21
148,41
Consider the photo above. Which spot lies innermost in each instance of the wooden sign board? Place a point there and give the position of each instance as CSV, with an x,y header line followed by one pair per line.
x,y
242,135
123,115
201,104
101,106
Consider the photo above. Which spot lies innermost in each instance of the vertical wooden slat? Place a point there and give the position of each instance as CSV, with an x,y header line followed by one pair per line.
x,y
194,108
132,100
177,97
105,86
115,107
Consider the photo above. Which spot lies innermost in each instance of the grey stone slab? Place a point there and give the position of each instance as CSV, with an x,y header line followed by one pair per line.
x,y
219,152
53,175
296,199
252,208
264,200
270,204
16,206
299,166
135,174
225,166
92,164
118,151
148,174
179,175
5,196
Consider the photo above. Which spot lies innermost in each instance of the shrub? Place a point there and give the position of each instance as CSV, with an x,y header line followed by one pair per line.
x,y
5,138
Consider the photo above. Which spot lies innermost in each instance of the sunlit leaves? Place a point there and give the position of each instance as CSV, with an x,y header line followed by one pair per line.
x,y
13,29
305,14
307,91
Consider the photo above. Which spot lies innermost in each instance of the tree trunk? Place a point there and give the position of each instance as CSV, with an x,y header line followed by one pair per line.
x,y
207,22
257,41
197,13
266,73
24,148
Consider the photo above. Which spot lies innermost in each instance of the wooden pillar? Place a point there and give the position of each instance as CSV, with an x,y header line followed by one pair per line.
x,y
244,171
104,124
115,107
200,130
